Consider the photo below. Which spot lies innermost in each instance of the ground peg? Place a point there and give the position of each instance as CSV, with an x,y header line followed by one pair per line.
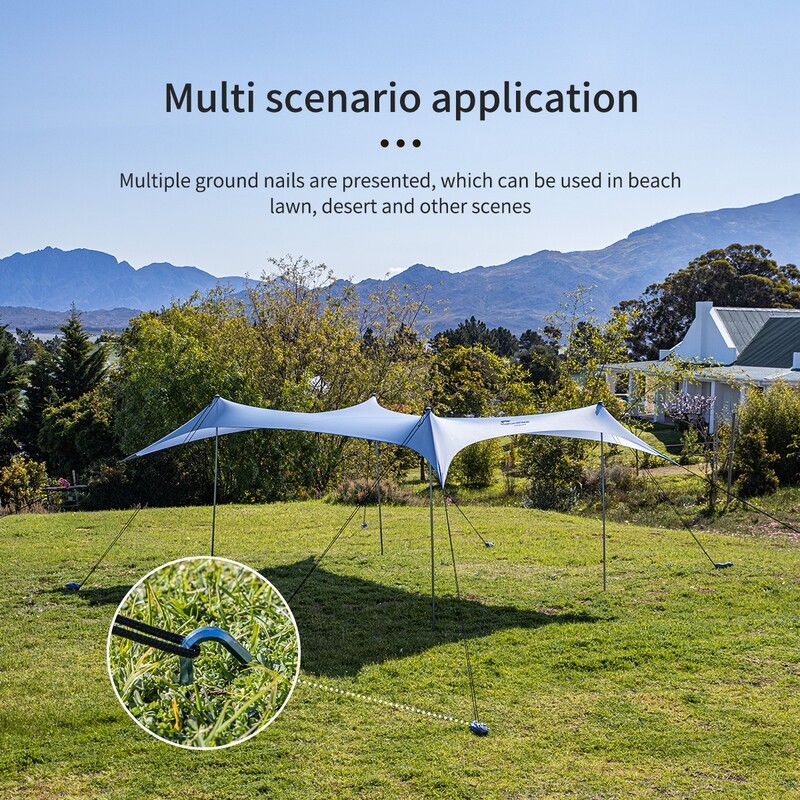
x,y
478,728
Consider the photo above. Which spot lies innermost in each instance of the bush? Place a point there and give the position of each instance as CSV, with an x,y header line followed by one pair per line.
x,y
769,425
157,480
21,483
547,496
754,465
691,446
620,481
360,491
474,466
555,467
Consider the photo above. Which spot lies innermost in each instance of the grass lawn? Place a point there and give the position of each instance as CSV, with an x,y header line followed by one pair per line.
x,y
680,681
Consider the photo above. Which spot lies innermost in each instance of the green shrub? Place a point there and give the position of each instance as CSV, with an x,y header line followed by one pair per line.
x,y
547,496
691,446
755,465
161,479
21,483
555,468
769,424
474,466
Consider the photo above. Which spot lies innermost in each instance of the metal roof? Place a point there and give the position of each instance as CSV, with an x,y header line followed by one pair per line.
x,y
773,345
734,374
742,324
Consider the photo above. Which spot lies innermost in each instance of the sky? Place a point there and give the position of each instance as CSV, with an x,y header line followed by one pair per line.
x,y
83,101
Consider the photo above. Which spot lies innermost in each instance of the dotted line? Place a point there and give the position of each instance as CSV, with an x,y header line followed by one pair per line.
x,y
377,701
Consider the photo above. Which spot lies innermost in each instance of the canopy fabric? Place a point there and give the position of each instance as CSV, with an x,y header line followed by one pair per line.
x,y
437,439
452,434
367,420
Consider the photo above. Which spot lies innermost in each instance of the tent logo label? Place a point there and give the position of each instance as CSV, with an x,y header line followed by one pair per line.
x,y
514,422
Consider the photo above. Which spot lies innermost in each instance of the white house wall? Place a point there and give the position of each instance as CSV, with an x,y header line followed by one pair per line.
x,y
706,339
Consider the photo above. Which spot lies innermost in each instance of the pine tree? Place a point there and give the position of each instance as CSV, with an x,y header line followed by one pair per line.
x,y
79,366
39,395
10,374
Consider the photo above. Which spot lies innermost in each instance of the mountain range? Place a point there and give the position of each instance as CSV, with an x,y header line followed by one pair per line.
x,y
517,295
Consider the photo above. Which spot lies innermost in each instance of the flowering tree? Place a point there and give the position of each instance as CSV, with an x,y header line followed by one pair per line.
x,y
693,409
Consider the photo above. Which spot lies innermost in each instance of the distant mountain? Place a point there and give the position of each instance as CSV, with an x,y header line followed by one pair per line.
x,y
53,280
39,320
517,295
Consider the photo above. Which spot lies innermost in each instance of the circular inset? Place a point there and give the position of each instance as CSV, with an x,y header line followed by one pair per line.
x,y
401,142
384,142
416,143
203,653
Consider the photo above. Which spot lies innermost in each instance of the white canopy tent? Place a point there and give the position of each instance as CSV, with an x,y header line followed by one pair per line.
x,y
437,439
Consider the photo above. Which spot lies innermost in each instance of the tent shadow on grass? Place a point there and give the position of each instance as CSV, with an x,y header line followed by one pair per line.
x,y
99,596
346,623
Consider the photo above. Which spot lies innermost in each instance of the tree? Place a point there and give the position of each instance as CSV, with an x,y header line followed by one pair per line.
x,y
79,366
79,433
26,345
555,465
40,394
586,346
473,331
743,276
539,357
171,365
295,342
10,385
769,439
10,375
326,348
474,382
61,400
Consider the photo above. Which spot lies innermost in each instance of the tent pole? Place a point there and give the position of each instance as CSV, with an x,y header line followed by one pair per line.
x,y
433,578
603,501
378,484
216,470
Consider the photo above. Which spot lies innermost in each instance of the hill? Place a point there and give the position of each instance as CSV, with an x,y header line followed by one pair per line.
x,y
517,295
53,280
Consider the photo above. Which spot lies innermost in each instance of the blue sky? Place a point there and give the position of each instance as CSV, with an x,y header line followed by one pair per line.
x,y
82,100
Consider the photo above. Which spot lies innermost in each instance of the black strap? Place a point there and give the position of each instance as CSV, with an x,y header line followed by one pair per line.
x,y
151,636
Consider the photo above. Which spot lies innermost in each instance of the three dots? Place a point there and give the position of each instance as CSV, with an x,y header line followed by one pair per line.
x,y
400,143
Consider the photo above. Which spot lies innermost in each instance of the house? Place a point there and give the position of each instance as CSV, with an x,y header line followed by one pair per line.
x,y
727,351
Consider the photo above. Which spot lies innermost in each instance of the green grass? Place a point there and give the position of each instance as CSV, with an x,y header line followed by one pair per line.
x,y
679,681
223,702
